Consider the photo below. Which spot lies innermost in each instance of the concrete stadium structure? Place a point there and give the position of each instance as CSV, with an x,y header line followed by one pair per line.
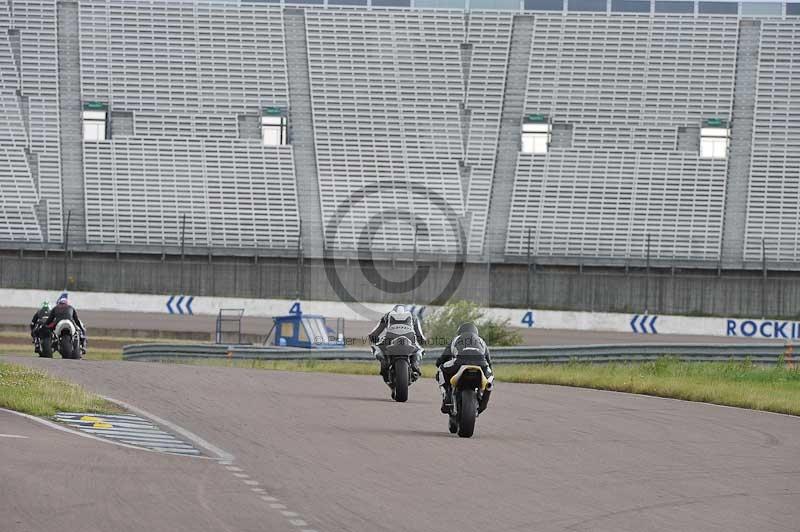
x,y
407,112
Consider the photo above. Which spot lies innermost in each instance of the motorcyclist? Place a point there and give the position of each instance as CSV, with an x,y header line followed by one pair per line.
x,y
41,314
398,315
64,311
467,340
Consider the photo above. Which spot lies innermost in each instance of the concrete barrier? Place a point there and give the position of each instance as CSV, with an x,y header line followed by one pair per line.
x,y
522,318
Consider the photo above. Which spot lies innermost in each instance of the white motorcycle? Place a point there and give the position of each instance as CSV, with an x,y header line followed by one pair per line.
x,y
66,339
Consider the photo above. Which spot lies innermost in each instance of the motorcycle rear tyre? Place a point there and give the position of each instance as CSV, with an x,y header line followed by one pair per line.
x,y
66,346
467,413
45,347
401,380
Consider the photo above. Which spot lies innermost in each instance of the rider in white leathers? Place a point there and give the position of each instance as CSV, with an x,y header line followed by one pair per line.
x,y
398,315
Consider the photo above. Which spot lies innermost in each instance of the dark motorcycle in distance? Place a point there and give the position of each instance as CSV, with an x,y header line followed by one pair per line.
x,y
469,384
44,335
398,353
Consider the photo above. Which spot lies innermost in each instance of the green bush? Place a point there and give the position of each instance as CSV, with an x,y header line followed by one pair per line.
x,y
440,326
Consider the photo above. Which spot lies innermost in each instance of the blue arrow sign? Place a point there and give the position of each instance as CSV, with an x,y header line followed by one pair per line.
x,y
644,324
178,307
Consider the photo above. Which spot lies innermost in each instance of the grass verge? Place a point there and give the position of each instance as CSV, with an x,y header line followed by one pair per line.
x,y
35,392
92,354
741,384
100,347
746,385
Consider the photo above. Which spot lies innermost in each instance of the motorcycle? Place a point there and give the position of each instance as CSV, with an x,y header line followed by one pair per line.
x,y
397,349
66,339
400,376
470,389
44,340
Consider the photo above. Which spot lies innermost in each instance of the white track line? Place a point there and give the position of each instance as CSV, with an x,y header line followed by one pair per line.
x,y
160,445
137,435
109,416
142,433
294,518
113,428
187,452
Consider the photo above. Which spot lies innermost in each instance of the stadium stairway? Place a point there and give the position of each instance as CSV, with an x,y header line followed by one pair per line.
x,y
736,190
70,114
508,145
302,133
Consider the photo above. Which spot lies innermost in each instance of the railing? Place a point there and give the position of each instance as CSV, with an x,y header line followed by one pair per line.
x,y
757,353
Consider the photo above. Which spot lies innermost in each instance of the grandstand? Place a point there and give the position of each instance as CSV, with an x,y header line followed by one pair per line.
x,y
569,130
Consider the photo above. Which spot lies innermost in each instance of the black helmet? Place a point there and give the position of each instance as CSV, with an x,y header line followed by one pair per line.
x,y
468,341
467,328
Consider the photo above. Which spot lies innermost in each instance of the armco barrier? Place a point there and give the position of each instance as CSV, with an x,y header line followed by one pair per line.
x,y
757,353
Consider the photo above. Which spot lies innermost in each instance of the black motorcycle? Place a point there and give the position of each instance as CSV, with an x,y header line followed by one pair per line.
x,y
43,339
398,355
470,389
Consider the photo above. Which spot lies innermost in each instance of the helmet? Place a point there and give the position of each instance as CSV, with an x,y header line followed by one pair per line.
x,y
45,306
467,328
468,341
62,300
399,308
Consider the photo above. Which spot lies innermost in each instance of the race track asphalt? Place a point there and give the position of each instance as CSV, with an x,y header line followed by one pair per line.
x,y
56,481
337,451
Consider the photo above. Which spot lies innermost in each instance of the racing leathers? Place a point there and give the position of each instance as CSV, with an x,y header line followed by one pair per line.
x,y
379,338
448,366
65,311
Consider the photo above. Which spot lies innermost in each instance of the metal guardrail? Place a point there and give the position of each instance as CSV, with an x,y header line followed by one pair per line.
x,y
757,353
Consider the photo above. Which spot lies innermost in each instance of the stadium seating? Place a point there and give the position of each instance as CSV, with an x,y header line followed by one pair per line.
x,y
17,198
176,125
773,212
35,79
234,194
405,116
605,203
386,88
625,83
489,33
186,72
170,56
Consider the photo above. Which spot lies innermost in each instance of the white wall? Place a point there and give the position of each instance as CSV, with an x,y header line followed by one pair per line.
x,y
540,319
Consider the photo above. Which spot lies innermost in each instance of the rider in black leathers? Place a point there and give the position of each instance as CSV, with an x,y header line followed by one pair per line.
x,y
398,315
467,340
36,323
64,311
